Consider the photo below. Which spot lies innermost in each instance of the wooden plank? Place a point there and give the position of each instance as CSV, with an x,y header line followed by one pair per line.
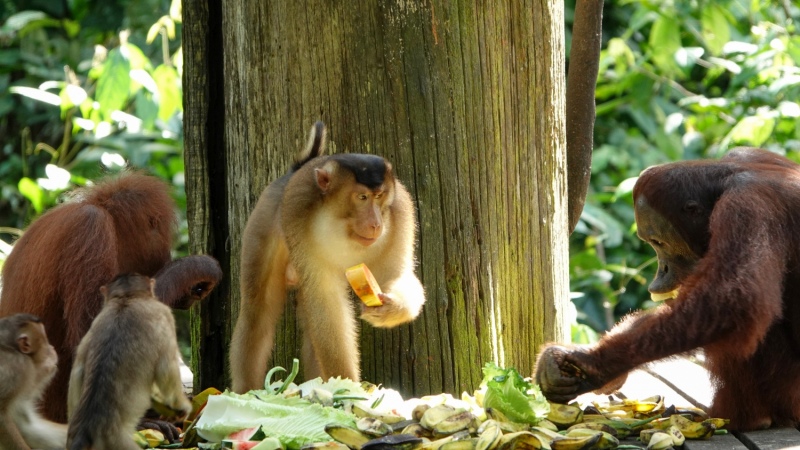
x,y
772,439
721,442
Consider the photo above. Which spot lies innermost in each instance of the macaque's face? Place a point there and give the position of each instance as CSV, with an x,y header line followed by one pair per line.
x,y
369,209
33,342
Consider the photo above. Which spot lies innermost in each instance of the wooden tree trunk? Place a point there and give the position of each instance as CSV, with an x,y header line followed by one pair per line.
x,y
466,99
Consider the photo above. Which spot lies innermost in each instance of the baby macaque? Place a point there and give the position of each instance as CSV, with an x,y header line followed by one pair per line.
x,y
27,364
326,215
127,357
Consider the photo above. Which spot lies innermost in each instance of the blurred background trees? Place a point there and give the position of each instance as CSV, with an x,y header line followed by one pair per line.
x,y
86,85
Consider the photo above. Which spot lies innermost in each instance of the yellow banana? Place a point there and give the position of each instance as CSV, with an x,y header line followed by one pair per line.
x,y
576,442
719,423
660,441
564,416
692,430
677,437
606,442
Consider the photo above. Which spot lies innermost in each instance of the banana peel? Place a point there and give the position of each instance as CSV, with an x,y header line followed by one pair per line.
x,y
692,430
576,442
564,416
149,438
606,441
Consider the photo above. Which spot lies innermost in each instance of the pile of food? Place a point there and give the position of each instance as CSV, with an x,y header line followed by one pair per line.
x,y
506,413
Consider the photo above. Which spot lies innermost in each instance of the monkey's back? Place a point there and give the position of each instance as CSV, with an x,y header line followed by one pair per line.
x,y
119,356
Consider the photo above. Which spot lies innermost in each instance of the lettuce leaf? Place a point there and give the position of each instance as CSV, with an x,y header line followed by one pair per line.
x,y
294,421
509,393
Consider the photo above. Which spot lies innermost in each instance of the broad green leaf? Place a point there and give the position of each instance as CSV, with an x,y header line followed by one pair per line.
x,y
21,19
794,49
71,27
169,91
32,192
753,130
625,188
716,30
137,58
114,84
146,109
665,40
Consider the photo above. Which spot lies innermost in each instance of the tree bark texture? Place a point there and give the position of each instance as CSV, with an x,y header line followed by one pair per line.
x,y
466,99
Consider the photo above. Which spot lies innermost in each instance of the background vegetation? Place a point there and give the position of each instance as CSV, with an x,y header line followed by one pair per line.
x,y
86,85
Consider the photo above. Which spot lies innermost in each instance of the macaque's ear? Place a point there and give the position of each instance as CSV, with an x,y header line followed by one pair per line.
x,y
104,291
388,167
24,344
325,176
153,287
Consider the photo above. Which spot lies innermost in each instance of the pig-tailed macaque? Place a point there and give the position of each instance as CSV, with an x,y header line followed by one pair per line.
x,y
27,364
327,214
127,357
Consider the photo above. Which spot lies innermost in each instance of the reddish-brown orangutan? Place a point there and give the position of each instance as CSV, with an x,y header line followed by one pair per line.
x,y
123,224
727,237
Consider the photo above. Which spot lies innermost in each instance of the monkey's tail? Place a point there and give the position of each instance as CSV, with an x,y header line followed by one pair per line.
x,y
81,441
315,147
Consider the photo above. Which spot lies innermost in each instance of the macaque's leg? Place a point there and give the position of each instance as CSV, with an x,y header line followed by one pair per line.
x,y
10,436
40,433
254,334
330,326
168,381
310,362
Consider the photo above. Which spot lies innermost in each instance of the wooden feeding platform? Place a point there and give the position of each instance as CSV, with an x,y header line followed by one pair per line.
x,y
683,382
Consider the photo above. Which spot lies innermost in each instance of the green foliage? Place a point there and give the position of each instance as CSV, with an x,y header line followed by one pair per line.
x,y
679,79
78,101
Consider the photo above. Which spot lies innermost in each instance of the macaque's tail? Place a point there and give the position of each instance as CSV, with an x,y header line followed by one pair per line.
x,y
315,147
81,441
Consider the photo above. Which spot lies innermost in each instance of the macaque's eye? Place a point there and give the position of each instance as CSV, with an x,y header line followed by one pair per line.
x,y
362,196
656,242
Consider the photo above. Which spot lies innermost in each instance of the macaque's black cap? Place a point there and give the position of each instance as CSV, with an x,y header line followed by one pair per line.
x,y
369,170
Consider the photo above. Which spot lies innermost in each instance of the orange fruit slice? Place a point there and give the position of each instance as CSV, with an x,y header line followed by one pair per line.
x,y
364,285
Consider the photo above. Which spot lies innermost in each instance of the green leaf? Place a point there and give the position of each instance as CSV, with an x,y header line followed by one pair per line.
x,y
793,49
664,41
293,421
625,188
114,84
169,91
583,334
509,393
716,30
137,58
32,192
71,27
146,109
753,130
21,19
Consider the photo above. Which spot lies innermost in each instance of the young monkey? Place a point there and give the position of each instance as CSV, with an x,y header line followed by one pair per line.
x,y
127,356
327,214
27,364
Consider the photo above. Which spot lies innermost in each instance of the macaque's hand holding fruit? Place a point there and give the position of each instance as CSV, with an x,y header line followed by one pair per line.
x,y
364,285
